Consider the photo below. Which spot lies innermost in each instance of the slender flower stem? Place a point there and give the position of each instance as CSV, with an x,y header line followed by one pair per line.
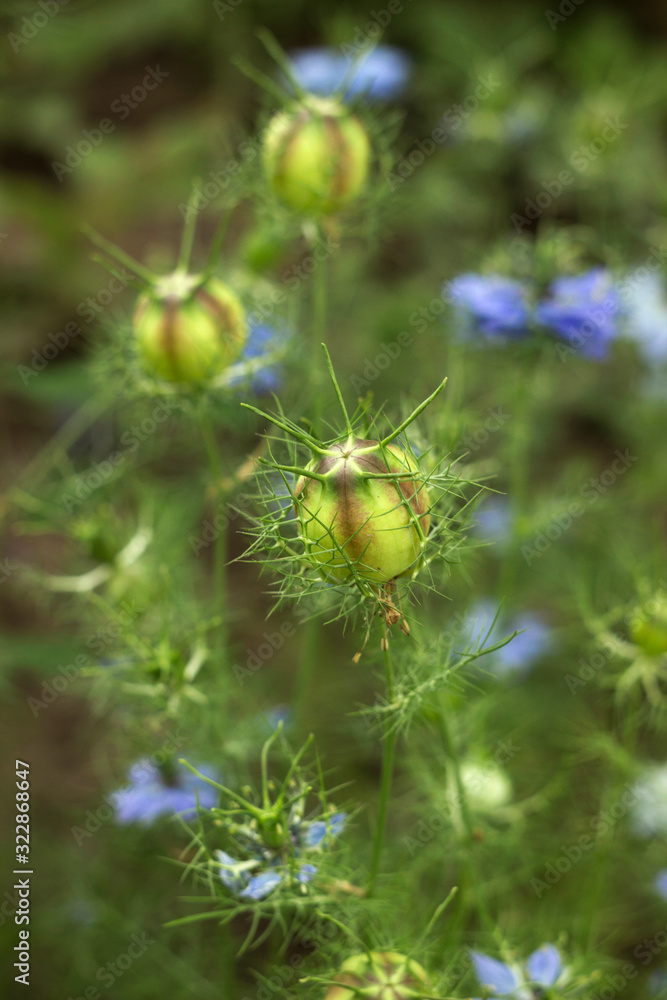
x,y
308,653
220,543
475,885
318,336
388,755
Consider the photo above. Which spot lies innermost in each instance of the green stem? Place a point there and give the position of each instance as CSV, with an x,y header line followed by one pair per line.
x,y
388,755
319,336
475,882
220,542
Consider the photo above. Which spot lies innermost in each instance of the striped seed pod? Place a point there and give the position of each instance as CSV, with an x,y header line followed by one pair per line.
x,y
380,975
366,514
316,156
187,332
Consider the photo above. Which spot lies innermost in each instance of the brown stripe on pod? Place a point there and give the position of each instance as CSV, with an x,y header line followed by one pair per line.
x,y
221,311
168,340
342,154
282,150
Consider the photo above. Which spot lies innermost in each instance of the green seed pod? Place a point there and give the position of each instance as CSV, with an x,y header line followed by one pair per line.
x,y
316,156
356,519
650,636
380,975
187,333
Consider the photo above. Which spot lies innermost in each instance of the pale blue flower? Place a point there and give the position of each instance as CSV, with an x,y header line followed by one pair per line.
x,y
257,877
583,310
660,883
493,520
151,793
521,652
646,318
379,75
262,380
649,810
490,305
542,969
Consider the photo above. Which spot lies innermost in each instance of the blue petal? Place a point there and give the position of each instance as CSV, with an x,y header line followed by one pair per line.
x,y
261,885
306,873
317,831
232,880
380,75
661,883
544,965
496,975
493,305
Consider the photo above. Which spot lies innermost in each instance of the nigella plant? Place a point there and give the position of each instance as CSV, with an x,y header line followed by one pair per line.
x,y
530,981
377,74
154,791
356,514
268,852
583,310
190,331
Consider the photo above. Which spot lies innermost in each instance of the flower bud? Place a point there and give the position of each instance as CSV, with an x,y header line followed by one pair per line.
x,y
378,975
650,636
358,520
187,333
316,156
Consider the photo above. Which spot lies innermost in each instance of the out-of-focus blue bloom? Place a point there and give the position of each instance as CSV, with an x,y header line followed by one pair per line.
x,y
491,305
542,969
521,652
583,311
318,830
380,75
646,318
242,877
661,883
658,984
493,520
649,810
281,713
263,341
151,794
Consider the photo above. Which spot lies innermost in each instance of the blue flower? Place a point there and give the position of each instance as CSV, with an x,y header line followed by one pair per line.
x,y
660,883
493,520
646,317
380,75
521,652
583,311
242,878
649,810
263,342
151,794
491,305
317,831
542,969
